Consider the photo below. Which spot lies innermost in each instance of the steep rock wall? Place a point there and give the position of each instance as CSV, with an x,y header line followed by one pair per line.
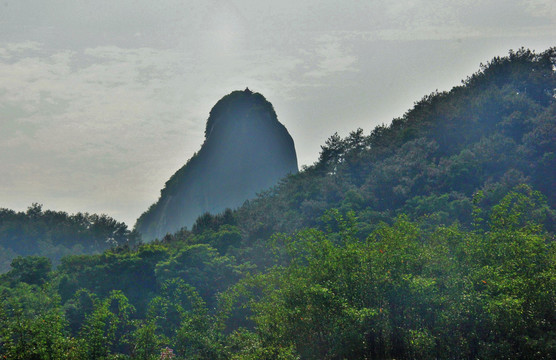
x,y
246,150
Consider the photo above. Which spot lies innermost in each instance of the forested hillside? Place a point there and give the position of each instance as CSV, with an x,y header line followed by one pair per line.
x,y
495,131
431,237
55,234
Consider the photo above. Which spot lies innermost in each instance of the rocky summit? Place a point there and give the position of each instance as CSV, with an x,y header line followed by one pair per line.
x,y
246,150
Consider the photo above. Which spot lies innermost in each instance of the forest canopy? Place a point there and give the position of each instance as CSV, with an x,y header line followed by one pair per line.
x,y
55,234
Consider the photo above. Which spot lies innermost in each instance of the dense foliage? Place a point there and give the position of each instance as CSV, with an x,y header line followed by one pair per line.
x,y
56,234
495,131
432,237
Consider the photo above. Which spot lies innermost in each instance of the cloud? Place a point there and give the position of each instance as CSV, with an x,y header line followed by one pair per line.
x,y
416,20
106,121
102,120
11,50
332,56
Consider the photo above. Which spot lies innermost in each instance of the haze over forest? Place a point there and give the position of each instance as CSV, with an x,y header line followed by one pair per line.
x,y
101,102
430,238
420,225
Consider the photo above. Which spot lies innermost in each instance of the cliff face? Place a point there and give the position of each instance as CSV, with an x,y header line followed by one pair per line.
x,y
246,150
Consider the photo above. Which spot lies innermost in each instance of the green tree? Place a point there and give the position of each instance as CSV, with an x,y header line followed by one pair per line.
x,y
107,328
32,326
145,342
30,269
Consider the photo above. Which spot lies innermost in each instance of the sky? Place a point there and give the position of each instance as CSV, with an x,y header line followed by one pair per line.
x,y
102,101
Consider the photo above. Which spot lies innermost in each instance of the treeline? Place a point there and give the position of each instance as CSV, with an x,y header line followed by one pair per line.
x,y
56,234
432,237
495,131
407,291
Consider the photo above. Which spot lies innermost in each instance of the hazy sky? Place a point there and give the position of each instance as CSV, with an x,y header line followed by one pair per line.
x,y
102,101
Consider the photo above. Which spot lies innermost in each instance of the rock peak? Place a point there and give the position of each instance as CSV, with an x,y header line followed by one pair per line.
x,y
246,150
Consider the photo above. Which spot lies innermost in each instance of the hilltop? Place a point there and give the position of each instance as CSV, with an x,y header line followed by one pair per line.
x,y
246,150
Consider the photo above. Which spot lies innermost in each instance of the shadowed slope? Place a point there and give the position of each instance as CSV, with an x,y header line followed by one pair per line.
x,y
246,150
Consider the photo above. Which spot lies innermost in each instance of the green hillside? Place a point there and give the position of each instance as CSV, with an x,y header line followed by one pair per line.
x,y
430,237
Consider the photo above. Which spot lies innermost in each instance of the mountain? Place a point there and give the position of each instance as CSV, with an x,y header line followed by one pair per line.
x,y
494,131
431,237
246,150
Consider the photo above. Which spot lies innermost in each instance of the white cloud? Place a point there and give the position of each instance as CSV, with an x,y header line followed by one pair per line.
x,y
332,56
541,8
100,120
10,50
89,121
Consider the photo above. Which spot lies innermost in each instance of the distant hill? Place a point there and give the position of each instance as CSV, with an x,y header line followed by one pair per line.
x,y
55,234
246,150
